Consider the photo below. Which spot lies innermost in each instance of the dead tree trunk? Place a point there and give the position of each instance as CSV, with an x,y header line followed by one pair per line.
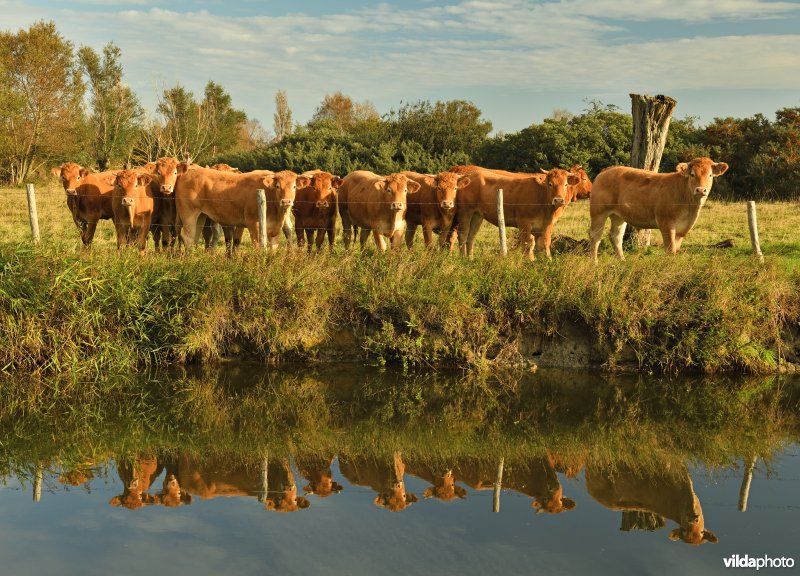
x,y
651,118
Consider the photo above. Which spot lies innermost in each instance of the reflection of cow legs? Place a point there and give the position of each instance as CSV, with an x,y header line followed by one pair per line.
x,y
618,226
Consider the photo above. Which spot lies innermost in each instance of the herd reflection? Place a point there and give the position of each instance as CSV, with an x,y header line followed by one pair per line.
x,y
646,498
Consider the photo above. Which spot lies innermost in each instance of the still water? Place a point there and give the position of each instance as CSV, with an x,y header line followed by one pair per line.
x,y
560,475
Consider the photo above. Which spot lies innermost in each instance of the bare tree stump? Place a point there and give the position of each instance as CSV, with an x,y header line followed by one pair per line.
x,y
651,118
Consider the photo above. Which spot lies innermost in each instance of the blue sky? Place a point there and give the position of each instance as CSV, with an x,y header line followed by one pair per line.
x,y
517,60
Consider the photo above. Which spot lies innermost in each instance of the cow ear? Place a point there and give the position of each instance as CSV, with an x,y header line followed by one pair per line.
x,y
182,168
682,168
148,498
719,168
568,503
380,185
463,182
336,182
412,186
115,501
303,181
709,536
84,172
144,179
378,501
303,502
268,181
460,491
336,487
270,504
573,179
536,504
430,181
411,498
427,493
150,166
186,498
56,171
675,534
308,489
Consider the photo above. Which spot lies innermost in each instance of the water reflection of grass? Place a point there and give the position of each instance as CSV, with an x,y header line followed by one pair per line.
x,y
636,422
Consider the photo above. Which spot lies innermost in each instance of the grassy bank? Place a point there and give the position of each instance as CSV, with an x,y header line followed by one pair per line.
x,y
101,312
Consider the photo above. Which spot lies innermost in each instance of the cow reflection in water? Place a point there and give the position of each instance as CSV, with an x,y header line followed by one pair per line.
x,y
317,471
668,495
537,478
186,478
137,477
387,478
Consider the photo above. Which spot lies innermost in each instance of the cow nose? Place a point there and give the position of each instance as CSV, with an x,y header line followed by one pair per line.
x,y
72,192
397,206
285,202
322,204
448,204
127,201
166,188
701,191
558,201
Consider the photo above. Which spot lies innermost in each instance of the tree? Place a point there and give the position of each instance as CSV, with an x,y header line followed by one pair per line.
x,y
283,116
344,114
116,114
41,93
202,130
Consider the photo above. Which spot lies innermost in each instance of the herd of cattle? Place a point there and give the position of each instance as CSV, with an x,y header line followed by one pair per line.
x,y
646,498
177,201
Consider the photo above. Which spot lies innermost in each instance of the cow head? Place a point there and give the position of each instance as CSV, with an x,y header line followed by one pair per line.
x,y
446,186
323,485
445,488
395,498
558,183
166,172
396,187
71,175
700,174
287,500
692,526
324,187
283,186
171,494
553,503
136,480
129,185
583,189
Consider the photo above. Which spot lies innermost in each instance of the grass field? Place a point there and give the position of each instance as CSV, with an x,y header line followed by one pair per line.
x,y
63,308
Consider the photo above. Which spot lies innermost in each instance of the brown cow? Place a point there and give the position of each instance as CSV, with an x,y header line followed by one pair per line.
x,y
670,202
385,478
315,209
172,495
166,171
88,196
224,168
376,203
137,477
230,200
668,494
317,470
537,478
580,191
433,206
530,203
443,483
132,203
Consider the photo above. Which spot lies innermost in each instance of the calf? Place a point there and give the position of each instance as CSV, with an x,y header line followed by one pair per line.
x,y
372,202
88,197
162,224
385,478
132,204
670,202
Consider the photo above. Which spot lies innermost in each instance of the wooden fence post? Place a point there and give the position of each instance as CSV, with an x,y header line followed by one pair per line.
x,y
32,214
501,223
497,486
744,491
262,217
264,480
752,221
37,481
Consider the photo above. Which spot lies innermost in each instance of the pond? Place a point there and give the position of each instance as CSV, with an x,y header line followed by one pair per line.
x,y
247,470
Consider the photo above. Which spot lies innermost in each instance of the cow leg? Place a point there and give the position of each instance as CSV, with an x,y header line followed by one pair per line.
x,y
526,240
411,230
678,241
156,229
618,226
320,239
546,240
88,233
670,243
331,236
362,236
189,229
300,233
287,229
310,239
253,229
144,231
596,233
474,225
427,234
379,240
122,234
